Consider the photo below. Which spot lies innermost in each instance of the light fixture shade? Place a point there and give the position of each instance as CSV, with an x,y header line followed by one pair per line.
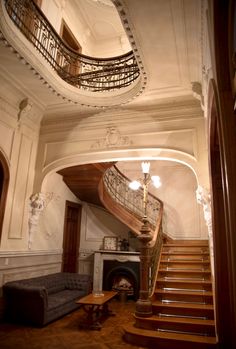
x,y
145,166
134,185
156,181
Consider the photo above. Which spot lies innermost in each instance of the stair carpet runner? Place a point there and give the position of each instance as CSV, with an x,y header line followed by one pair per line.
x,y
183,312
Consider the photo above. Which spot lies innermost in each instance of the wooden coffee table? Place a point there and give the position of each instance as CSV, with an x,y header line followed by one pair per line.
x,y
96,306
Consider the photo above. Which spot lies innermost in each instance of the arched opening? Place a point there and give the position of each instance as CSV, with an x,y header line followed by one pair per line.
x,y
4,180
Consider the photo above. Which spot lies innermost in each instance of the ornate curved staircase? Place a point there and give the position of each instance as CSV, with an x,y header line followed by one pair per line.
x,y
182,303
181,291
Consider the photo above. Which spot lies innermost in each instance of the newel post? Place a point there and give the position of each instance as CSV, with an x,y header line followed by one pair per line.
x,y
144,305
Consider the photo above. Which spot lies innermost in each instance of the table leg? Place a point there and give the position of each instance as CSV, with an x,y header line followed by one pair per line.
x,y
91,321
106,311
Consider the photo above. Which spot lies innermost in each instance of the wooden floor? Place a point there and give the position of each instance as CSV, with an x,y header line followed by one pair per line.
x,y
66,334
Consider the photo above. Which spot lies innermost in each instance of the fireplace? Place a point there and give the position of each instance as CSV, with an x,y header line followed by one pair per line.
x,y
121,276
117,270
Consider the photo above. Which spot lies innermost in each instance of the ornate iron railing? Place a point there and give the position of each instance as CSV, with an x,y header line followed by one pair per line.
x,y
117,185
81,71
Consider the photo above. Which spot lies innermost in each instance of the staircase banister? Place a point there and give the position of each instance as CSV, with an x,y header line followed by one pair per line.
x,y
149,194
158,226
113,194
118,211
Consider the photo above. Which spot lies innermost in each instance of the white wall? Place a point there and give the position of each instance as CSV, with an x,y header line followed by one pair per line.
x,y
95,224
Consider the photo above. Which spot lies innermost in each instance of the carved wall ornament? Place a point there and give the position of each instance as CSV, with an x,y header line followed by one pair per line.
x,y
24,108
37,203
204,198
113,139
197,92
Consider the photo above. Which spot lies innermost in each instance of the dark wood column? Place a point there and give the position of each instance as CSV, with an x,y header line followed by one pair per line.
x,y
223,168
144,305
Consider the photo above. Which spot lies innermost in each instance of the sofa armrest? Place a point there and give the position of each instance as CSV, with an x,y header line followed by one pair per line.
x,y
25,303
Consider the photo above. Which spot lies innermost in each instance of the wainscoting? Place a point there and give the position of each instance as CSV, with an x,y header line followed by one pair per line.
x,y
21,264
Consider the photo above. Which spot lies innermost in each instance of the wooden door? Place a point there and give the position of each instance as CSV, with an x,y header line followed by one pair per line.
x,y
4,181
72,66
71,237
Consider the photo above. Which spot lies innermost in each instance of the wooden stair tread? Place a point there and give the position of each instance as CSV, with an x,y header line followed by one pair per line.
x,y
186,261
185,253
204,282
183,305
186,245
183,292
176,319
206,271
170,335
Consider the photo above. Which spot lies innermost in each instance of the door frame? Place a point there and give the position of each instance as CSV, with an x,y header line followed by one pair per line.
x,y
4,189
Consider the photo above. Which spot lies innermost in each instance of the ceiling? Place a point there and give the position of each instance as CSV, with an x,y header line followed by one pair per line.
x,y
101,18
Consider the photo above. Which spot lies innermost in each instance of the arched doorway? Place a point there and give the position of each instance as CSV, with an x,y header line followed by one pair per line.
x,y
4,180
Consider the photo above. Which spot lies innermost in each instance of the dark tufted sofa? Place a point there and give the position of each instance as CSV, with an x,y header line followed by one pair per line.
x,y
40,300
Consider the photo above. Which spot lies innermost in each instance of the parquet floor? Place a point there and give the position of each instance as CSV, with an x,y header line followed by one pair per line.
x,y
66,334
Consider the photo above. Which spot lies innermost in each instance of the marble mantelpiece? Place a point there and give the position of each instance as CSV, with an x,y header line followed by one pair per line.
x,y
104,255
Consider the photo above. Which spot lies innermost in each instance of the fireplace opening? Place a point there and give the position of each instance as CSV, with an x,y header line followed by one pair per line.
x,y
122,277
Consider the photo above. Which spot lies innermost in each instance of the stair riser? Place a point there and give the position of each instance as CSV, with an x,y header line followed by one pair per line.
x,y
206,313
185,298
208,330
185,266
184,285
184,250
185,274
162,343
185,257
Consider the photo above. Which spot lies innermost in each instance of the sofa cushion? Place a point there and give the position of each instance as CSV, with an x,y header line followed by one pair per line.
x,y
60,298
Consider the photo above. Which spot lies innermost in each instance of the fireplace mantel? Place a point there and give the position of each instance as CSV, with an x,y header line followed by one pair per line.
x,y
104,255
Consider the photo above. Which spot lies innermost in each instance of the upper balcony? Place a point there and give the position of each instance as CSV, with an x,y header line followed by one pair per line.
x,y
77,77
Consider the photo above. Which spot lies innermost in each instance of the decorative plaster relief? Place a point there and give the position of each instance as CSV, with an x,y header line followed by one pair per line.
x,y
24,109
37,203
113,139
204,198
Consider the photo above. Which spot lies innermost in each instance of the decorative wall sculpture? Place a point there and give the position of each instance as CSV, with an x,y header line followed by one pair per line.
x,y
204,198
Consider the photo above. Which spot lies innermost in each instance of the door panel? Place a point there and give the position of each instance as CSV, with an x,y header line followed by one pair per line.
x,y
71,237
